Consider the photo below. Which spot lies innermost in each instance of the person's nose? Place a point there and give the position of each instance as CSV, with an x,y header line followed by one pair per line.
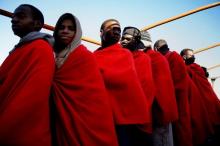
x,y
116,32
64,30
14,20
123,41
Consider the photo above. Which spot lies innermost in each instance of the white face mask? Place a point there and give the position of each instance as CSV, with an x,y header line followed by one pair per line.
x,y
146,43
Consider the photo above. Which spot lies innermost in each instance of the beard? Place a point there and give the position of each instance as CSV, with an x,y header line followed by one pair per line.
x,y
132,46
163,50
190,60
109,39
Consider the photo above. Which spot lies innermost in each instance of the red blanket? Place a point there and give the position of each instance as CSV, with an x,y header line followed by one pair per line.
x,y
25,81
166,111
127,97
201,124
182,128
209,97
83,114
143,67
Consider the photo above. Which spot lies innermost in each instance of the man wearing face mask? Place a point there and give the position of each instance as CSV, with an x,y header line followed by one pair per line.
x,y
164,105
126,96
189,58
198,104
131,40
198,76
182,127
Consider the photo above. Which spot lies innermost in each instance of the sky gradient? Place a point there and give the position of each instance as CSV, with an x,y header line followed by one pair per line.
x,y
195,31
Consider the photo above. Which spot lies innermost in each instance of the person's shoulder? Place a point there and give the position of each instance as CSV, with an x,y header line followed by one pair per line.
x,y
83,52
126,51
82,48
123,52
40,41
139,53
40,44
175,58
151,52
118,48
158,55
176,55
36,45
142,56
113,49
195,65
41,47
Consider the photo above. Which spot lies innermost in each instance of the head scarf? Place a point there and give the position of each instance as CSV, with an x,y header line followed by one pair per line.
x,y
63,55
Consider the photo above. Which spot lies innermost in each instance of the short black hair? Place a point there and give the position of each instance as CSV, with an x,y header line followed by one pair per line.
x,y
36,13
183,52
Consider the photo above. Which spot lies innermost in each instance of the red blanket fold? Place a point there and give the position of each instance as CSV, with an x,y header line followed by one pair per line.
x,y
182,128
209,97
127,97
201,124
25,81
165,96
143,67
83,114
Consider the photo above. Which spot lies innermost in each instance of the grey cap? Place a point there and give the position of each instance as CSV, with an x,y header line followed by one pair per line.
x,y
145,36
135,32
159,43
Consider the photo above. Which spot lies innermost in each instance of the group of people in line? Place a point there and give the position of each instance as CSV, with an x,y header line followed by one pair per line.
x,y
55,92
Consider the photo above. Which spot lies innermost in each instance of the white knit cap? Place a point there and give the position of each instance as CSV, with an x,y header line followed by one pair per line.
x,y
146,38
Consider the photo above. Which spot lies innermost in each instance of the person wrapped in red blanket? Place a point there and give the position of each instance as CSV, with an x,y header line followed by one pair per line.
x,y
201,123
165,98
127,98
25,82
164,106
81,110
182,127
199,77
131,40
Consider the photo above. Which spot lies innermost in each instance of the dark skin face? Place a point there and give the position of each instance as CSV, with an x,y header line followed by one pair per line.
x,y
23,22
127,41
66,32
163,50
111,33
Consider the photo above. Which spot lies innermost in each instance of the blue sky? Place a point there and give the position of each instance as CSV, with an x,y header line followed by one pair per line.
x,y
195,31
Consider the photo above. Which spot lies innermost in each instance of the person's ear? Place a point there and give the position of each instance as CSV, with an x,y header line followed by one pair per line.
x,y
184,57
101,33
38,25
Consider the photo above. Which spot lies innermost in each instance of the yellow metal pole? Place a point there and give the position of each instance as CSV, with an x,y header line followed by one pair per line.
x,y
207,48
181,16
49,27
216,77
213,67
6,13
